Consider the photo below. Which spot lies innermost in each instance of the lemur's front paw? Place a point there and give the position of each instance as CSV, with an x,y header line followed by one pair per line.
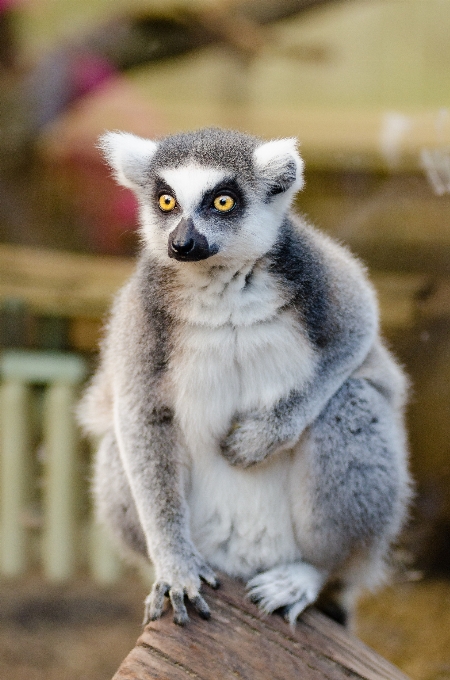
x,y
248,442
176,584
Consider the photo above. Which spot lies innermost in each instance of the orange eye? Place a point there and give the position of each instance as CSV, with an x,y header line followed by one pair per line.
x,y
224,203
166,202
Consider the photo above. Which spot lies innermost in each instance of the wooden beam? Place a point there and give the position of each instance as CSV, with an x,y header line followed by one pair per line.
x,y
57,283
239,642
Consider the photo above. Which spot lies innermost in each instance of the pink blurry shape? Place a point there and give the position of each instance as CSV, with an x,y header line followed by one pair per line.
x,y
88,72
8,4
125,207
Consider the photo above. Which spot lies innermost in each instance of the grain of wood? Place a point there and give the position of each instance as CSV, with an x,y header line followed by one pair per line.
x,y
240,642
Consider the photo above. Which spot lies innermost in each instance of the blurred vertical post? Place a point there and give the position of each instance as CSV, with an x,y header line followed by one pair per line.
x,y
60,470
61,374
14,447
105,565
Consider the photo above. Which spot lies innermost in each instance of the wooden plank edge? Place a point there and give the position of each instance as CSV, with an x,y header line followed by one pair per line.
x,y
163,650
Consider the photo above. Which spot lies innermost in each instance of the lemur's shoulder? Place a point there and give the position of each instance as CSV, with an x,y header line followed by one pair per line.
x,y
325,282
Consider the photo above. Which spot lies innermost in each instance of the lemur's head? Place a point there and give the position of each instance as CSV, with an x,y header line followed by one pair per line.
x,y
207,194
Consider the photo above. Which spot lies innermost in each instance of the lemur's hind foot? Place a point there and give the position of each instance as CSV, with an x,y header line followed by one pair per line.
x,y
291,587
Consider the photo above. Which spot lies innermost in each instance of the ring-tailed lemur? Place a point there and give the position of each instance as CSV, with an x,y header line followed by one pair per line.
x,y
251,418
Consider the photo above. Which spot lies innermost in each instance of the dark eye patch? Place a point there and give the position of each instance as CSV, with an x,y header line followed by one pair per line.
x,y
228,187
161,187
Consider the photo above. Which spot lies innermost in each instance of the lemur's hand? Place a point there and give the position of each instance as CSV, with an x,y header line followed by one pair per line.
x,y
249,441
176,582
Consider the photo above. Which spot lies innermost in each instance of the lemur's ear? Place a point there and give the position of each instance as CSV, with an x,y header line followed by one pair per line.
x,y
279,163
129,156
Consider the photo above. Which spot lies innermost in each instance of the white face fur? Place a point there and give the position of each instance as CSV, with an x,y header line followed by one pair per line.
x,y
234,239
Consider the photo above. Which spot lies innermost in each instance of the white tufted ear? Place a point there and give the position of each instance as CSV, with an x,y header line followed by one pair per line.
x,y
129,156
280,165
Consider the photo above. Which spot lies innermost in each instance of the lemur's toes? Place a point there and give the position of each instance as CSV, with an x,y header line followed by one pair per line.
x,y
291,586
180,615
208,576
154,602
201,606
292,612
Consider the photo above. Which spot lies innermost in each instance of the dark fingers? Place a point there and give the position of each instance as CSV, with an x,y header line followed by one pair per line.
x,y
201,606
154,603
180,615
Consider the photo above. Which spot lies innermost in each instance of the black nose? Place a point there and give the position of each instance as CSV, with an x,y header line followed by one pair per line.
x,y
187,244
183,247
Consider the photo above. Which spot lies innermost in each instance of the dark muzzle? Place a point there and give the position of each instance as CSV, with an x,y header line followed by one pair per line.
x,y
187,244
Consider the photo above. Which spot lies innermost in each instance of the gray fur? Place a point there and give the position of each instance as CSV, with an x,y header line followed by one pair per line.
x,y
251,418
225,149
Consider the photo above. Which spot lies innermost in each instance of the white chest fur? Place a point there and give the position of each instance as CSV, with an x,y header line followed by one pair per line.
x,y
247,357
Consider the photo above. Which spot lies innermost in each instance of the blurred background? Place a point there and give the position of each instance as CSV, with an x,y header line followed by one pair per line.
x,y
365,86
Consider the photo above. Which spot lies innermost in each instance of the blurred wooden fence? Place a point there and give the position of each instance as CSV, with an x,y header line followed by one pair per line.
x,y
46,518
52,476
